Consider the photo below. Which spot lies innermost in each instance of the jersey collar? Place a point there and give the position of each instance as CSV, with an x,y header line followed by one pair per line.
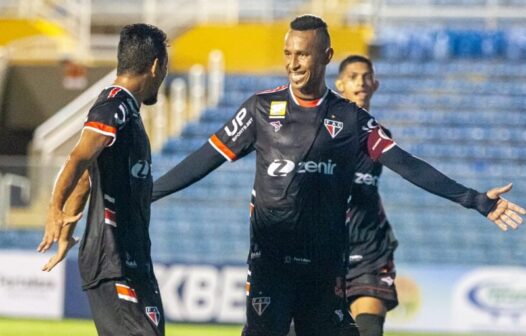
x,y
308,103
137,105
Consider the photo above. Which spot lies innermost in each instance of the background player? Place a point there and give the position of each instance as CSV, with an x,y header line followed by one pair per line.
x,y
114,257
308,142
371,291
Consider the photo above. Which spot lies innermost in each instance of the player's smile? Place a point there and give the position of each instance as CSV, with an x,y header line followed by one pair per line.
x,y
298,77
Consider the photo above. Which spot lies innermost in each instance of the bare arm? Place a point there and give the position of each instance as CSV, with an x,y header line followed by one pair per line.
x,y
74,205
85,152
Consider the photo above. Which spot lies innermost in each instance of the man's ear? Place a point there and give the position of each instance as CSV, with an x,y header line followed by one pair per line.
x,y
339,85
329,52
376,85
155,67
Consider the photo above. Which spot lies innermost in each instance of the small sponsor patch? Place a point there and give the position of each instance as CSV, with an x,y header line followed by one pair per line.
x,y
388,280
109,198
277,125
153,314
333,127
278,109
339,313
260,304
126,293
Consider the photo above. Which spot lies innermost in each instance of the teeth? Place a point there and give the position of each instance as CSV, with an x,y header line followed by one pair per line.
x,y
296,76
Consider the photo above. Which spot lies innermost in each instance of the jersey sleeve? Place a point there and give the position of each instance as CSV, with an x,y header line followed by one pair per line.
x,y
374,139
107,119
236,138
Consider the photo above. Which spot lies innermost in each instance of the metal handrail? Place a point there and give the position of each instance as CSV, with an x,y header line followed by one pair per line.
x,y
51,127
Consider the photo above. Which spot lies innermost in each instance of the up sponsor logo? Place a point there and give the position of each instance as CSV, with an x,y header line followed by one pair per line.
x,y
238,125
283,167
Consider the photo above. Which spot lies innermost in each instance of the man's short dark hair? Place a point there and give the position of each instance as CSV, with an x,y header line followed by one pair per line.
x,y
355,59
140,44
312,22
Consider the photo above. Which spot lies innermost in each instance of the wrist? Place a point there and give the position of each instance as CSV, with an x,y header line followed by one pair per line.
x,y
484,204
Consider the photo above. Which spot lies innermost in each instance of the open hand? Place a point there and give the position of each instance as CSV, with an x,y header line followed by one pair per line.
x,y
506,214
56,220
64,245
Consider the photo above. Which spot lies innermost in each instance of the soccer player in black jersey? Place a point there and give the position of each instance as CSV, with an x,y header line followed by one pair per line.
x,y
371,291
308,142
112,158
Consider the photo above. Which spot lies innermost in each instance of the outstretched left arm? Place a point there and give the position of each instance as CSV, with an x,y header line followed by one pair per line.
x,y
500,211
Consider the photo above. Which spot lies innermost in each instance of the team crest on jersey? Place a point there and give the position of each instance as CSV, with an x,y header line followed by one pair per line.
x,y
277,125
260,304
278,109
333,127
153,314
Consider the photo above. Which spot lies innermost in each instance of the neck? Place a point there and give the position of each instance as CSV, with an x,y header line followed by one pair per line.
x,y
134,84
311,93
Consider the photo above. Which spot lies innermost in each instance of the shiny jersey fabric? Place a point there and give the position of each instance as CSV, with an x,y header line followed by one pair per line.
x,y
306,156
116,241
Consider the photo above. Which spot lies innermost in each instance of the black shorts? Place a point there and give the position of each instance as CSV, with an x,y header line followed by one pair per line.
x,y
276,294
379,284
126,307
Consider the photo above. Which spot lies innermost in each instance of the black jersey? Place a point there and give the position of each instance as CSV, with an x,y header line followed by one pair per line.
x,y
371,238
116,241
305,163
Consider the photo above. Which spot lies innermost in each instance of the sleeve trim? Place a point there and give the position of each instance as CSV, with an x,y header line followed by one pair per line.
x,y
102,129
222,148
389,147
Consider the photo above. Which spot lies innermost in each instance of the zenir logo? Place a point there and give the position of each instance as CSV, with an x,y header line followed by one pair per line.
x,y
141,169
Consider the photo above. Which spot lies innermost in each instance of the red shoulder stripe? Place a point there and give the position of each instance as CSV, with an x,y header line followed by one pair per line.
x,y
279,88
114,92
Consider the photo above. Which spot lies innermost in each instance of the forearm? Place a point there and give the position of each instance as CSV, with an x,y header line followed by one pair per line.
x,y
79,196
193,168
67,180
75,204
428,178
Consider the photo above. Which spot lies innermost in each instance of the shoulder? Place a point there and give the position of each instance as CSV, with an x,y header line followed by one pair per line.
x,y
274,91
113,107
116,98
342,107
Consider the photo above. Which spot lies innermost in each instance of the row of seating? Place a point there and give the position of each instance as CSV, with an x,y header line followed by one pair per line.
x,y
444,44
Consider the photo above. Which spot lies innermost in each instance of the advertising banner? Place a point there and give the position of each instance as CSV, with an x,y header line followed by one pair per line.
x,y
27,291
460,299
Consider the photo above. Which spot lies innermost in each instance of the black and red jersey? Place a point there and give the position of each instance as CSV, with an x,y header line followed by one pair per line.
x,y
116,241
306,156
371,237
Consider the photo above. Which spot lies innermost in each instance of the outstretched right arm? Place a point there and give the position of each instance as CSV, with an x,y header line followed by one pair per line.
x,y
231,142
196,166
